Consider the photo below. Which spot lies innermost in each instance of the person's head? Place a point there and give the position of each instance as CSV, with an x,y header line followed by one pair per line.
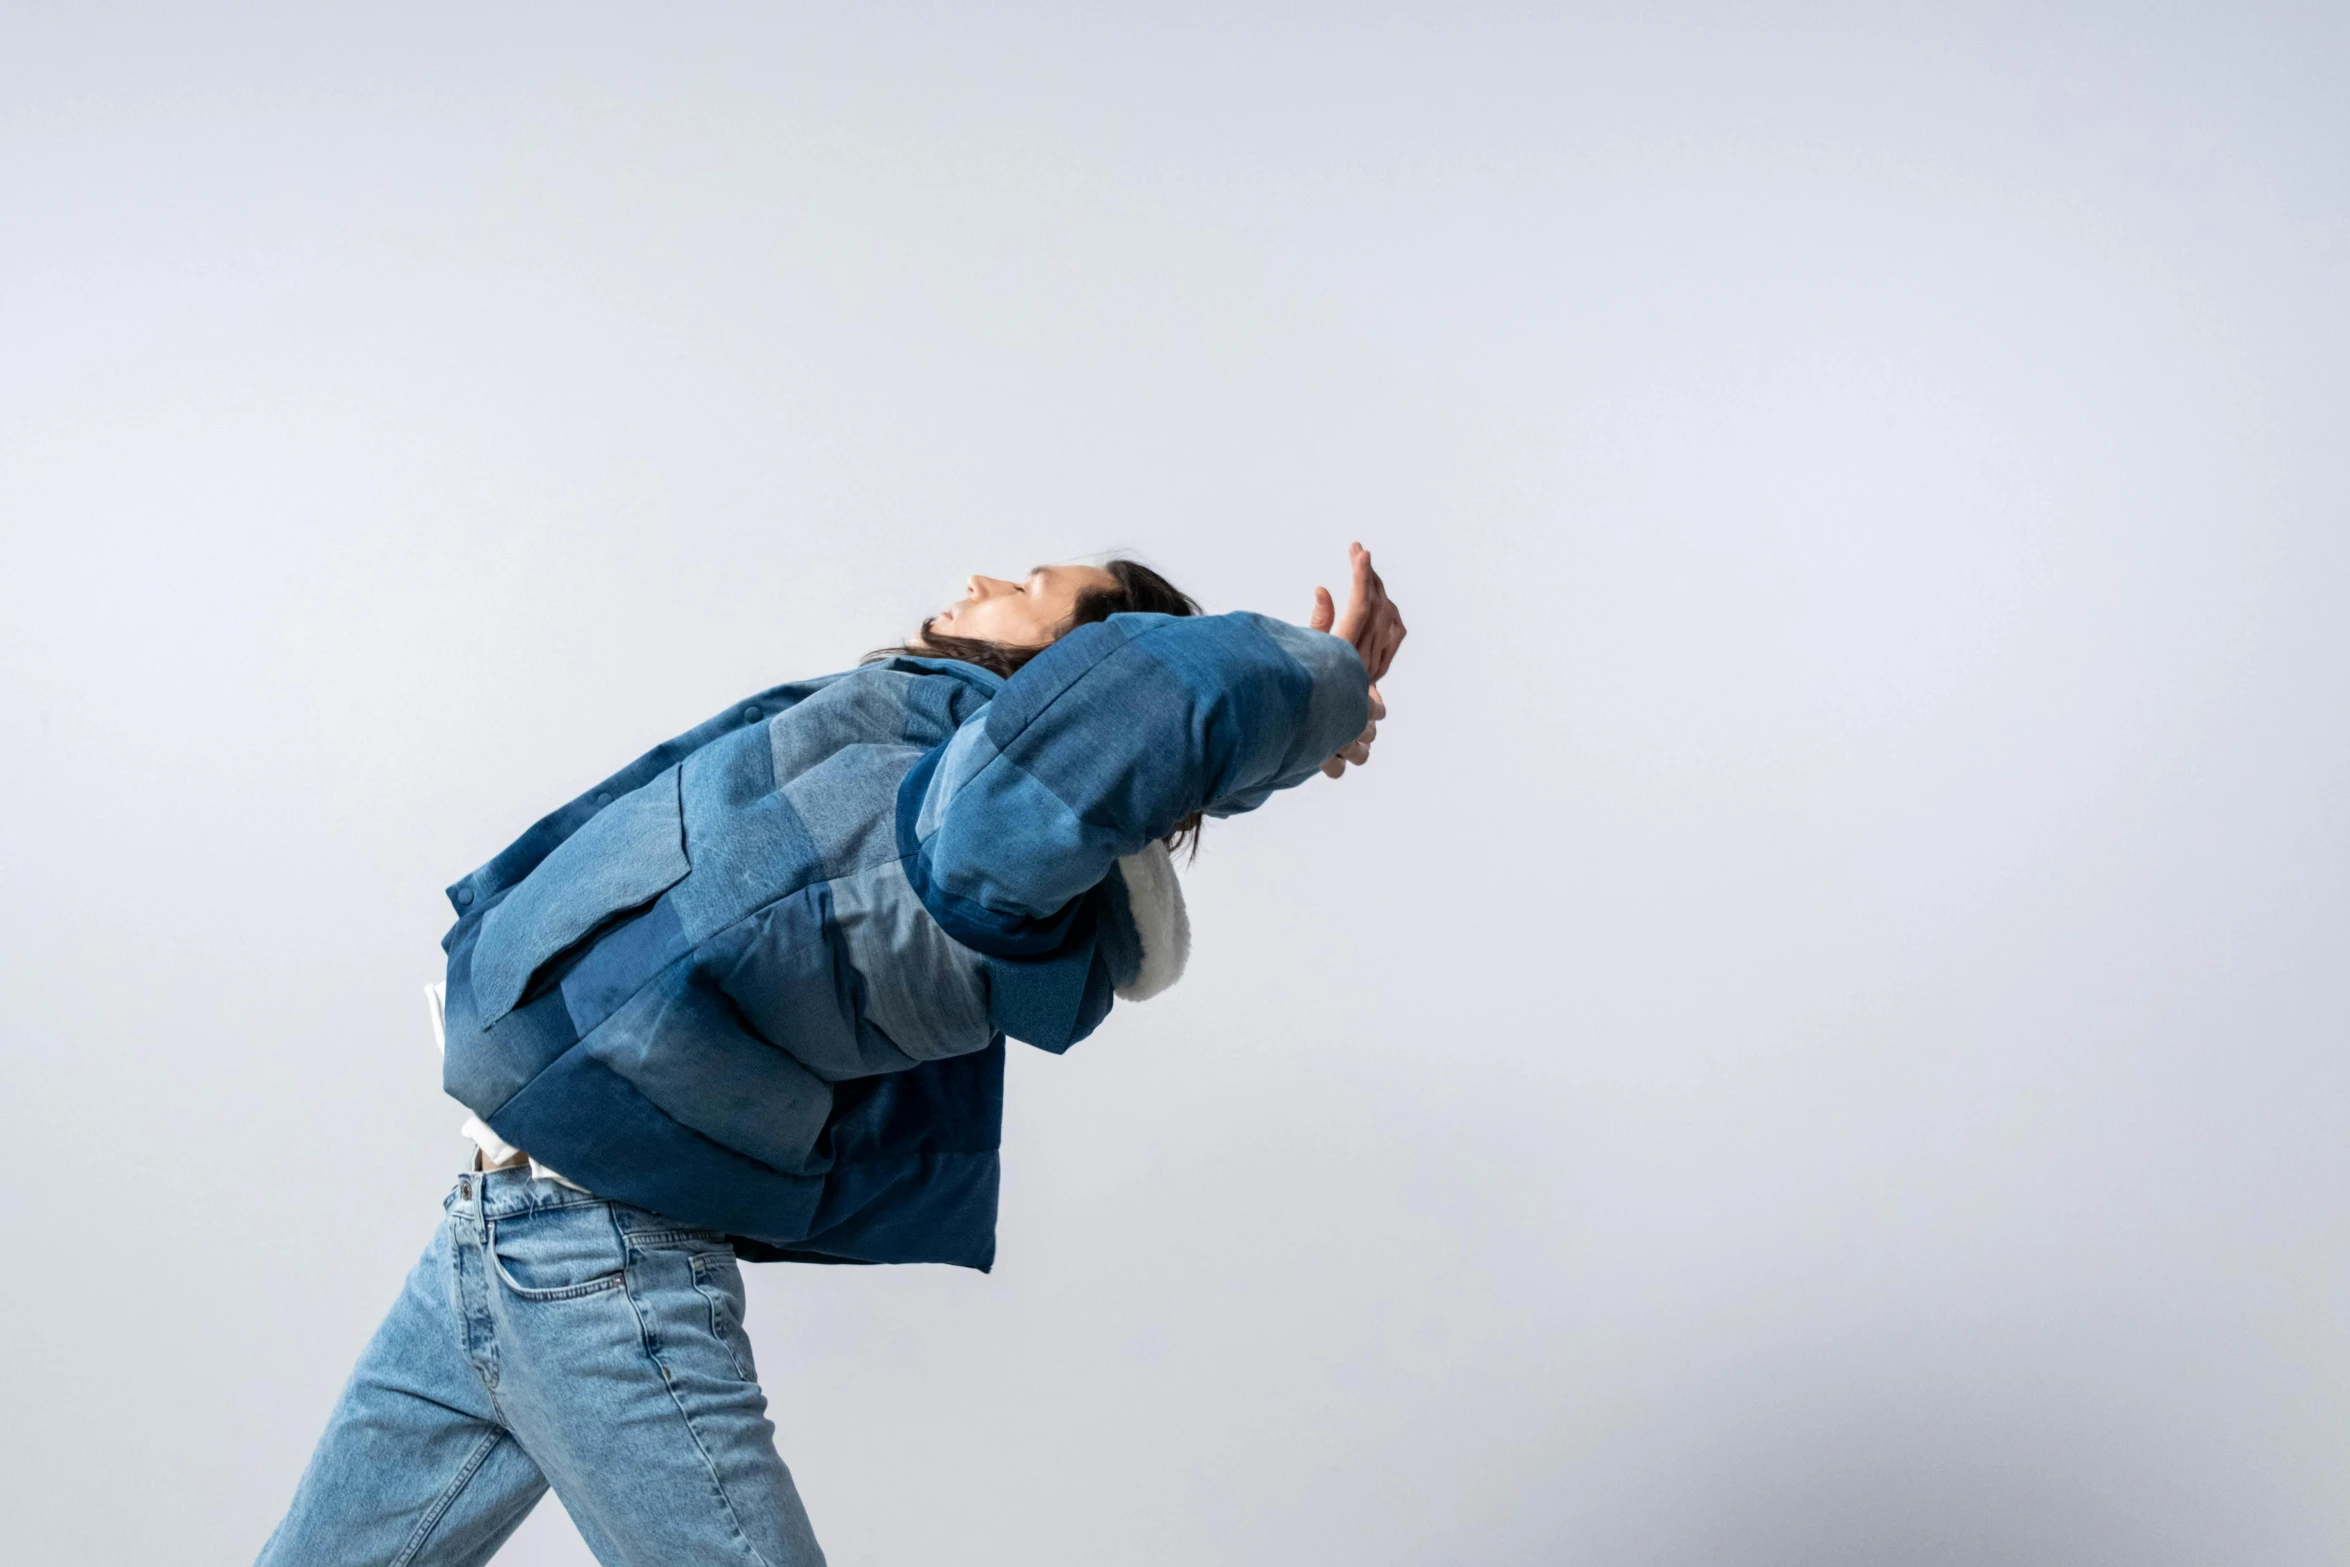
x,y
1000,624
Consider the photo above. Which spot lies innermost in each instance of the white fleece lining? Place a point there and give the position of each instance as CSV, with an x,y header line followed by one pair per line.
x,y
1155,896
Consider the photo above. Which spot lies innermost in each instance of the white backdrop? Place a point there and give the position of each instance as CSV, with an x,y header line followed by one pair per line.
x,y
1818,1038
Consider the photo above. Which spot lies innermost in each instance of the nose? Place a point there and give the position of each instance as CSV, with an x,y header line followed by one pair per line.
x,y
987,587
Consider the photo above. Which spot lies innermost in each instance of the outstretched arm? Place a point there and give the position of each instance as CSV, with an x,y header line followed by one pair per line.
x,y
1118,731
1104,742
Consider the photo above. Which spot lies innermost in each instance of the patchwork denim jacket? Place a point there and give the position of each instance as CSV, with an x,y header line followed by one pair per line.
x,y
761,977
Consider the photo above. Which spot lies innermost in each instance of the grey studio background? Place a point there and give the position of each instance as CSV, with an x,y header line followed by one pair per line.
x,y
1817,1039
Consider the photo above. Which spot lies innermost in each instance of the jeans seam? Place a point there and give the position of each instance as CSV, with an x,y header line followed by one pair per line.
x,y
483,1358
448,1498
656,1239
719,1311
557,1206
647,1338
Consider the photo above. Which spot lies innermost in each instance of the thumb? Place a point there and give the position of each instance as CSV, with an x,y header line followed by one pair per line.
x,y
1325,612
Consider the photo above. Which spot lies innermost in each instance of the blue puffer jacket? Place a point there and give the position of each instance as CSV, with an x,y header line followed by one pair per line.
x,y
761,977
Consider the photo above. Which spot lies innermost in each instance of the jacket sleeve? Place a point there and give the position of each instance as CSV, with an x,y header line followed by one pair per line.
x,y
1105,741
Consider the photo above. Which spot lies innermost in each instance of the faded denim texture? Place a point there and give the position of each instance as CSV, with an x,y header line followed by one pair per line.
x,y
762,977
549,1338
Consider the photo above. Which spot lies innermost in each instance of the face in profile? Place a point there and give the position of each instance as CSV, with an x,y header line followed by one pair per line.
x,y
1027,613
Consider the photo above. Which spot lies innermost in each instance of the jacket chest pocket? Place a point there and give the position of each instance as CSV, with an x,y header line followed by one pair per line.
x,y
624,857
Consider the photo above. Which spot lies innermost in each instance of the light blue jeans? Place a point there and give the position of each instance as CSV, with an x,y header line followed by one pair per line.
x,y
545,1338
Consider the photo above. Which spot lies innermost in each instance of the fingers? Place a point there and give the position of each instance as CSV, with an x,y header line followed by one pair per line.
x,y
1357,750
1360,598
1370,622
1382,627
1381,642
1350,621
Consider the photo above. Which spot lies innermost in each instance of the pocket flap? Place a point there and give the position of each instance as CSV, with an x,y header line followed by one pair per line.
x,y
627,854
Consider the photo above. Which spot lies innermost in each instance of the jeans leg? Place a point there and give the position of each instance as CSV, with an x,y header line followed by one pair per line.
x,y
624,1372
415,1468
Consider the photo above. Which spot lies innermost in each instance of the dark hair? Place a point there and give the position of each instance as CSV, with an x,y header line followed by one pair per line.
x,y
1137,589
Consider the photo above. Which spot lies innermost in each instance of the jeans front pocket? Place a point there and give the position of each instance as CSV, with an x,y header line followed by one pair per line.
x,y
551,1254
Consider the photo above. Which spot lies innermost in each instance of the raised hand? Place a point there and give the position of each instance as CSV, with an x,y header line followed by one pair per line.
x,y
1371,622
1375,627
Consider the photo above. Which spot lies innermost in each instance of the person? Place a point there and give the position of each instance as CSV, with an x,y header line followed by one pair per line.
x,y
747,999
